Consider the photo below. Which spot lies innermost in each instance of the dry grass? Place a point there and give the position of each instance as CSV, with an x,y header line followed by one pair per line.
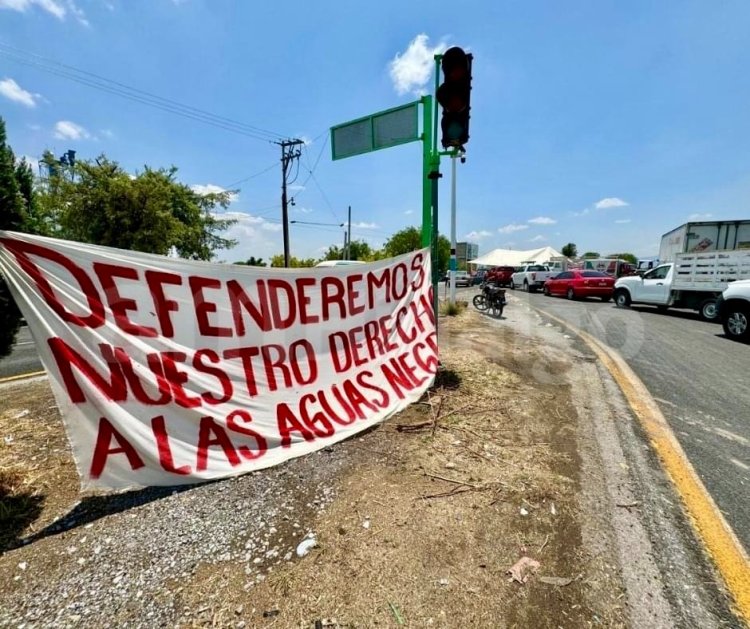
x,y
425,528
38,480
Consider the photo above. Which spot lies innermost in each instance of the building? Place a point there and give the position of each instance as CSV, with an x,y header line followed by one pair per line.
x,y
465,251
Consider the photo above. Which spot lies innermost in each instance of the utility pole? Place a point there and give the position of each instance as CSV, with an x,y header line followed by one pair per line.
x,y
289,153
349,237
453,265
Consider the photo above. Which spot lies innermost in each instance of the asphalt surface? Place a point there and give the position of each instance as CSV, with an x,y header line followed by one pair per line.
x,y
23,359
699,378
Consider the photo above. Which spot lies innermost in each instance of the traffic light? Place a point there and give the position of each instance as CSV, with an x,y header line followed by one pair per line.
x,y
454,96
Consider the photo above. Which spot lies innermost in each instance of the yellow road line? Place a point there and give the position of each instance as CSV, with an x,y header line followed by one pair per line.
x,y
22,376
718,537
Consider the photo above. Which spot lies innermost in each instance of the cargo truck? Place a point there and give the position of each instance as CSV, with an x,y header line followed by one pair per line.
x,y
705,236
691,280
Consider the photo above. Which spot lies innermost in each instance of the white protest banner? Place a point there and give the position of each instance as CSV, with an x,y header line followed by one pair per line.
x,y
169,371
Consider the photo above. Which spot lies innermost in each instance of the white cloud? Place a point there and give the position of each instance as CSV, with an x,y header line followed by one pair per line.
x,y
542,220
302,210
107,133
609,202
513,227
271,227
582,212
411,71
699,217
365,225
13,91
622,221
67,130
478,235
57,8
538,238
211,188
409,212
295,187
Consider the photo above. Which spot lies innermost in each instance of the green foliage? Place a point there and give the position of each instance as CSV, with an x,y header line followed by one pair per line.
x,y
252,261
151,212
13,217
358,250
628,257
410,239
570,250
277,262
592,254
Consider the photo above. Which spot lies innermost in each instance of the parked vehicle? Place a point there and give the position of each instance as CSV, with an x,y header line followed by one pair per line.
x,y
734,311
530,276
579,283
462,278
500,275
611,266
705,236
492,298
693,280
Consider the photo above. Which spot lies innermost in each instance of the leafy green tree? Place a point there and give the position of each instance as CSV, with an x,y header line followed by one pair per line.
x,y
252,261
628,257
570,250
151,212
277,262
410,239
358,250
592,254
13,217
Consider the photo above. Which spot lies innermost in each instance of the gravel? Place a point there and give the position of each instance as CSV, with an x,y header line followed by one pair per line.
x,y
124,563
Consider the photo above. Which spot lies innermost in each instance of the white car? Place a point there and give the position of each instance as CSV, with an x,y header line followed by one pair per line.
x,y
734,310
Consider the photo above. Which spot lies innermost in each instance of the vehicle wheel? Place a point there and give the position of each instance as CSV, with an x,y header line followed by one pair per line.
x,y
497,311
545,290
570,294
605,299
526,286
480,302
737,323
708,310
512,285
622,298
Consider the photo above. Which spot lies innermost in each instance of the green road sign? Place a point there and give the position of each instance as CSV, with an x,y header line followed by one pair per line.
x,y
377,131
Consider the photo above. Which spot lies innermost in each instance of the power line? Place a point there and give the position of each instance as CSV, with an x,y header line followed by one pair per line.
x,y
134,94
258,174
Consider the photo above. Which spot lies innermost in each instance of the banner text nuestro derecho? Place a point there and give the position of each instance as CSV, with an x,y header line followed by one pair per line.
x,y
168,371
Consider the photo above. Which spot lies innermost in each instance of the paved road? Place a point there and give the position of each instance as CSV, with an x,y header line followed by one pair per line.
x,y
700,380
23,359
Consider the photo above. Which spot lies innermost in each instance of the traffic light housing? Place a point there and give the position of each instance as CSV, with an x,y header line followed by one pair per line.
x,y
454,96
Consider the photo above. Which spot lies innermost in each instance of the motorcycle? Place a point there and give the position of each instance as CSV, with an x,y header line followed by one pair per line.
x,y
491,299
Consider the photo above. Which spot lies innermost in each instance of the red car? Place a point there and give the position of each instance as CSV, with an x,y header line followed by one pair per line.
x,y
579,283
500,275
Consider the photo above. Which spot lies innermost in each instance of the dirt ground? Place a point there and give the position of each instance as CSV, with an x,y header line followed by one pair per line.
x,y
432,511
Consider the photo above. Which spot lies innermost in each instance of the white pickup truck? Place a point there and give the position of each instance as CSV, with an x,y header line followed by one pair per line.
x,y
531,277
693,280
734,311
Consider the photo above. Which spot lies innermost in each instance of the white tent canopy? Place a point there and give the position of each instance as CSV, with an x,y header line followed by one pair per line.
x,y
516,257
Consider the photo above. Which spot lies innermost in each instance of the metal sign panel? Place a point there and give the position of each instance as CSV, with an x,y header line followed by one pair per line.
x,y
377,131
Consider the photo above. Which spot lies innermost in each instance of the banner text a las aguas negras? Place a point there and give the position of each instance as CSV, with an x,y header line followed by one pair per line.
x,y
169,371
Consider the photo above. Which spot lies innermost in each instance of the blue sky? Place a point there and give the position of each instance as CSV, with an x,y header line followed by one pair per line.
x,y
600,123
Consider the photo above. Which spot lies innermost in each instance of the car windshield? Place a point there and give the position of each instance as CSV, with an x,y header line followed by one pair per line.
x,y
594,274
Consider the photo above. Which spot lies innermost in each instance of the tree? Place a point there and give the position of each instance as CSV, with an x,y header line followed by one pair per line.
x,y
150,212
592,254
13,217
252,261
410,239
570,250
277,262
358,250
628,257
